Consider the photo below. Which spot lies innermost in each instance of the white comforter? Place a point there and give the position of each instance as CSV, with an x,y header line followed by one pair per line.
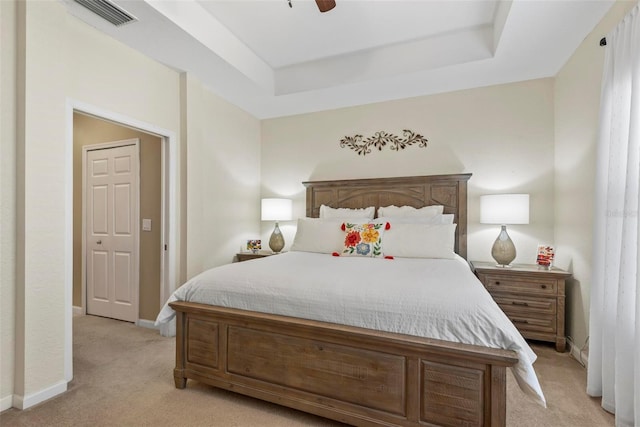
x,y
434,298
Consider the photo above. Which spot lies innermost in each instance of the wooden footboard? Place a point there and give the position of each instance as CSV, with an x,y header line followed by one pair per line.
x,y
354,375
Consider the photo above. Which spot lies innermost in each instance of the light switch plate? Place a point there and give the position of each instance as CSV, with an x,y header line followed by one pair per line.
x,y
146,224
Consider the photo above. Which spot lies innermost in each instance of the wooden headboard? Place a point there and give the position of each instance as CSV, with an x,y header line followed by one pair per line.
x,y
417,191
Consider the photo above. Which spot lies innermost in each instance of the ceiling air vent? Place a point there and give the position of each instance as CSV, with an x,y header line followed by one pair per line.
x,y
108,11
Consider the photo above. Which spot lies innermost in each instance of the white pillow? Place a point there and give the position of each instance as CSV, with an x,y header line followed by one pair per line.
x,y
344,213
420,241
437,219
320,235
425,212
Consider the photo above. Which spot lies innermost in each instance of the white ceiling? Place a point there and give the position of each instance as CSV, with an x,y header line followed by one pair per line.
x,y
272,60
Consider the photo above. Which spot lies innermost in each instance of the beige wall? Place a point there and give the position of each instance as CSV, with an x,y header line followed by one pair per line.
x,y
7,198
64,60
89,130
223,177
577,103
502,134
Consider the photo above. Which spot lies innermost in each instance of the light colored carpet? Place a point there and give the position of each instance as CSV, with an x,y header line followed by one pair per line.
x,y
123,376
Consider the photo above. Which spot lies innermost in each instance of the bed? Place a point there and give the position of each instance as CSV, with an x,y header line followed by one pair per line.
x,y
353,374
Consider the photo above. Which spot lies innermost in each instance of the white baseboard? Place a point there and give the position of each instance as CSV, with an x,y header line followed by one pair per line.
x,y
574,350
24,402
143,323
6,403
146,324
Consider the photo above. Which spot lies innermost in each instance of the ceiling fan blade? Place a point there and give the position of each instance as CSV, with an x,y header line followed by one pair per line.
x,y
326,5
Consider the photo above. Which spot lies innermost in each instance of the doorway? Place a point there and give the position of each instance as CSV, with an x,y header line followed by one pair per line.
x,y
88,130
170,212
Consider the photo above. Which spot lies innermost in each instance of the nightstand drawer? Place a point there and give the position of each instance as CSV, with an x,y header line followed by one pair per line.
x,y
246,256
538,286
544,324
523,306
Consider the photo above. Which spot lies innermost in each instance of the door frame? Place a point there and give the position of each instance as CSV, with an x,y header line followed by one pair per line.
x,y
170,209
136,226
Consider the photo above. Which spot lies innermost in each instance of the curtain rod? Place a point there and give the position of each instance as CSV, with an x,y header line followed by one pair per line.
x,y
603,41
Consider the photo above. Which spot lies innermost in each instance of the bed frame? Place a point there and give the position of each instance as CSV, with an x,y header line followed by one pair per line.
x,y
354,375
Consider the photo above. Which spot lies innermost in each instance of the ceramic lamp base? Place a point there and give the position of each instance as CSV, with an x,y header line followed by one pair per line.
x,y
276,241
503,250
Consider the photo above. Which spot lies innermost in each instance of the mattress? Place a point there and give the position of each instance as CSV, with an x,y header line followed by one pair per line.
x,y
432,298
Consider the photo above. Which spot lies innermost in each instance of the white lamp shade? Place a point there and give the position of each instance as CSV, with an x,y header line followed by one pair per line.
x,y
504,209
276,209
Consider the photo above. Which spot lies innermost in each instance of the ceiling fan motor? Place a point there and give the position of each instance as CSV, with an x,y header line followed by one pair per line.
x,y
323,5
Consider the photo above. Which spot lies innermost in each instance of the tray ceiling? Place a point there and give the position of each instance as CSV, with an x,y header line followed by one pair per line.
x,y
273,60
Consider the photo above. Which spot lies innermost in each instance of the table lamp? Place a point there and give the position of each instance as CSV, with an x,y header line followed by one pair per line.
x,y
504,209
276,210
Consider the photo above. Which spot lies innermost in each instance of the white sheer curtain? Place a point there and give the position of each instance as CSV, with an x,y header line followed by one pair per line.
x,y
614,355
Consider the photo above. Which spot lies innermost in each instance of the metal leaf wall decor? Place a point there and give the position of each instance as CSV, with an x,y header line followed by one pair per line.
x,y
381,139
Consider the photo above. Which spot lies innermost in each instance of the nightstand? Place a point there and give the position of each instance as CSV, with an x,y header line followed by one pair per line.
x,y
246,256
531,297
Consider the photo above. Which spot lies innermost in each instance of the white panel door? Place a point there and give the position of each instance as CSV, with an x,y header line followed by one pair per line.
x,y
111,240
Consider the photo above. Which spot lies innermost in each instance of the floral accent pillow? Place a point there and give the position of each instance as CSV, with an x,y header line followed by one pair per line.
x,y
363,239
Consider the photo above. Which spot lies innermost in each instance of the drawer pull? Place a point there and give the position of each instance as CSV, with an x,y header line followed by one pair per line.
x,y
497,283
525,304
543,286
520,321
